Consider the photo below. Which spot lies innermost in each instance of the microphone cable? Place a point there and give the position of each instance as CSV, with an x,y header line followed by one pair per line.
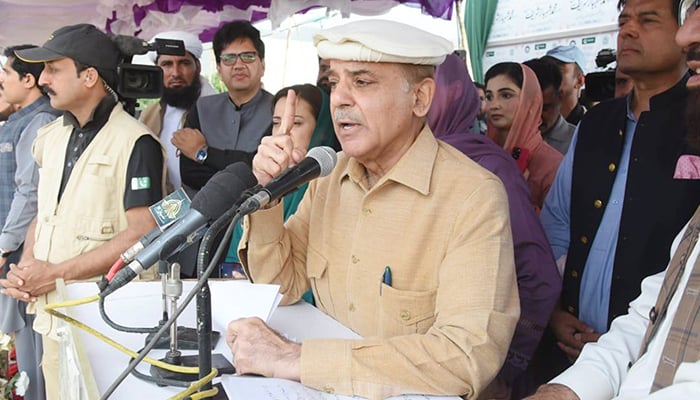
x,y
51,309
141,356
122,328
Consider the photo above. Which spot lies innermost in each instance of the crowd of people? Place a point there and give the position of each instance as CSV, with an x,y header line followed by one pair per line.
x,y
535,247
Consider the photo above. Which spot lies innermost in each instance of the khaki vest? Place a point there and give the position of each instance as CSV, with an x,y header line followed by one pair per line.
x,y
91,211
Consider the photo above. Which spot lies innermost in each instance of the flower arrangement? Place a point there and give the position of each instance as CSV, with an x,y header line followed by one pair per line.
x,y
13,384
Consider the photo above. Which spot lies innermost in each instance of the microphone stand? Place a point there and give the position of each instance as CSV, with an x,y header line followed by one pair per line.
x,y
204,312
201,282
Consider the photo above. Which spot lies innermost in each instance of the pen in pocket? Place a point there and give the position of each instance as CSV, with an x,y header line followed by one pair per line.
x,y
386,279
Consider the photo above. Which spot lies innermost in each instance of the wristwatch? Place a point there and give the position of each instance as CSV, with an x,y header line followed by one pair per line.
x,y
5,253
201,155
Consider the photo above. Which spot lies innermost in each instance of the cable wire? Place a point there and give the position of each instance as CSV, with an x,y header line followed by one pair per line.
x,y
200,283
118,327
51,309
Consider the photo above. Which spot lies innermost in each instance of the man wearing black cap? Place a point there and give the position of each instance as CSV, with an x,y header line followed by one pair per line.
x,y
100,169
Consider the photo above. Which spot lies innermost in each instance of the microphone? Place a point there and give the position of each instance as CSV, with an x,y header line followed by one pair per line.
x,y
215,198
165,212
131,45
319,162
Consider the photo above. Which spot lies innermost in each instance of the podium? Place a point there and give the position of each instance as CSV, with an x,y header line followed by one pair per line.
x,y
92,365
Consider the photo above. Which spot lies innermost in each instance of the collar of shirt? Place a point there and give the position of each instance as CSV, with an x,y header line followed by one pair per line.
x,y
671,95
251,103
97,119
28,109
413,170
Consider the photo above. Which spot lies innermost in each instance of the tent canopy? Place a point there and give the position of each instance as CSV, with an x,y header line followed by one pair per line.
x,y
32,22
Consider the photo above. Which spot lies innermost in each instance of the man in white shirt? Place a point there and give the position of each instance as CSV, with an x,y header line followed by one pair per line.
x,y
652,352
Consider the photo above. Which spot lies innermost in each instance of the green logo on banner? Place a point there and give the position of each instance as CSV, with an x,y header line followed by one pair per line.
x,y
540,46
588,40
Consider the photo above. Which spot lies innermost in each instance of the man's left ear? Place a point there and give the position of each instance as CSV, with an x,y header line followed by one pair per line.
x,y
424,92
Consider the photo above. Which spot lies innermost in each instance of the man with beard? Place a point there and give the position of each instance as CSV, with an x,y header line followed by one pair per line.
x,y
182,86
654,350
615,207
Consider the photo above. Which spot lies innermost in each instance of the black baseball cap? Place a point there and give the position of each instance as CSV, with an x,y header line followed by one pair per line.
x,y
82,42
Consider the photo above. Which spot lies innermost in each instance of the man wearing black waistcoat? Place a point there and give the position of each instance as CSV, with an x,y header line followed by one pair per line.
x,y
615,206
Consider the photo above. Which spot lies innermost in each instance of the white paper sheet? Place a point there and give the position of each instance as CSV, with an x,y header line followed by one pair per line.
x,y
246,388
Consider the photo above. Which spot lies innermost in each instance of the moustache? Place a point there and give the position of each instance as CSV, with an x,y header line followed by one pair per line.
x,y
177,81
346,116
693,53
48,90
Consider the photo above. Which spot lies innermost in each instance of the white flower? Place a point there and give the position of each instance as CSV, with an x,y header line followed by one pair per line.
x,y
21,384
5,341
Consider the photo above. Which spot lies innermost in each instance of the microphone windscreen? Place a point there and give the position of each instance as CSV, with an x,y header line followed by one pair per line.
x,y
130,45
223,189
326,158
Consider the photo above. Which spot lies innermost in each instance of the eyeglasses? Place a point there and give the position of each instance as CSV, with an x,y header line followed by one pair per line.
x,y
686,9
230,59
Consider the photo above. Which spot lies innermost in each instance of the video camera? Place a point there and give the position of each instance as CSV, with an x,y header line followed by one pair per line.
x,y
143,81
601,85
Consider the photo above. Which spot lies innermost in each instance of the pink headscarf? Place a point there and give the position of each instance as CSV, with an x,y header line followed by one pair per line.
x,y
537,160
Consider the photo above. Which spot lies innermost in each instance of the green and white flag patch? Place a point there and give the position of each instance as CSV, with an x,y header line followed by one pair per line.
x,y
142,182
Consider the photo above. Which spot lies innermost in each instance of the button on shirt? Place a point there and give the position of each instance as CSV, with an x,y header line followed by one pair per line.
x,y
440,222
594,297
146,158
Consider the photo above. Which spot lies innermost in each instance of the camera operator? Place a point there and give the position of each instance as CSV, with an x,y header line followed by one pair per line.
x,y
101,169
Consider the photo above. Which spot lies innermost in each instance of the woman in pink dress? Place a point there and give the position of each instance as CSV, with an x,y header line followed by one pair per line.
x,y
513,115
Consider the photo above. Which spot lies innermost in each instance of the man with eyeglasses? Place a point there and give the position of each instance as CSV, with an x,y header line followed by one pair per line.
x,y
653,352
227,127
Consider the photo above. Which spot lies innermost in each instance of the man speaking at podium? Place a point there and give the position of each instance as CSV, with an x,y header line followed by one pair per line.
x,y
407,241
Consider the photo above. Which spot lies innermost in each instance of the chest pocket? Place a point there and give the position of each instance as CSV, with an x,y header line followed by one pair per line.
x,y
403,312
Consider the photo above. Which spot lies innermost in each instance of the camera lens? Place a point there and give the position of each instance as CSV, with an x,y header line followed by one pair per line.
x,y
137,81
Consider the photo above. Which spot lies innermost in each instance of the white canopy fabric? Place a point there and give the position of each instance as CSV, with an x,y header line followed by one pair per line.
x,y
32,21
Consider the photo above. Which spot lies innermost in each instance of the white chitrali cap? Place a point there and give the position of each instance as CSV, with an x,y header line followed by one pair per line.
x,y
192,43
376,40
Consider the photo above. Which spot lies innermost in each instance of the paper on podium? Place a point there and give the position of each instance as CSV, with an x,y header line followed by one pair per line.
x,y
298,322
246,388
240,298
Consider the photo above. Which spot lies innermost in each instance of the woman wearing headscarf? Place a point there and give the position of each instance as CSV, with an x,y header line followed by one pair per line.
x,y
451,117
513,115
312,127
